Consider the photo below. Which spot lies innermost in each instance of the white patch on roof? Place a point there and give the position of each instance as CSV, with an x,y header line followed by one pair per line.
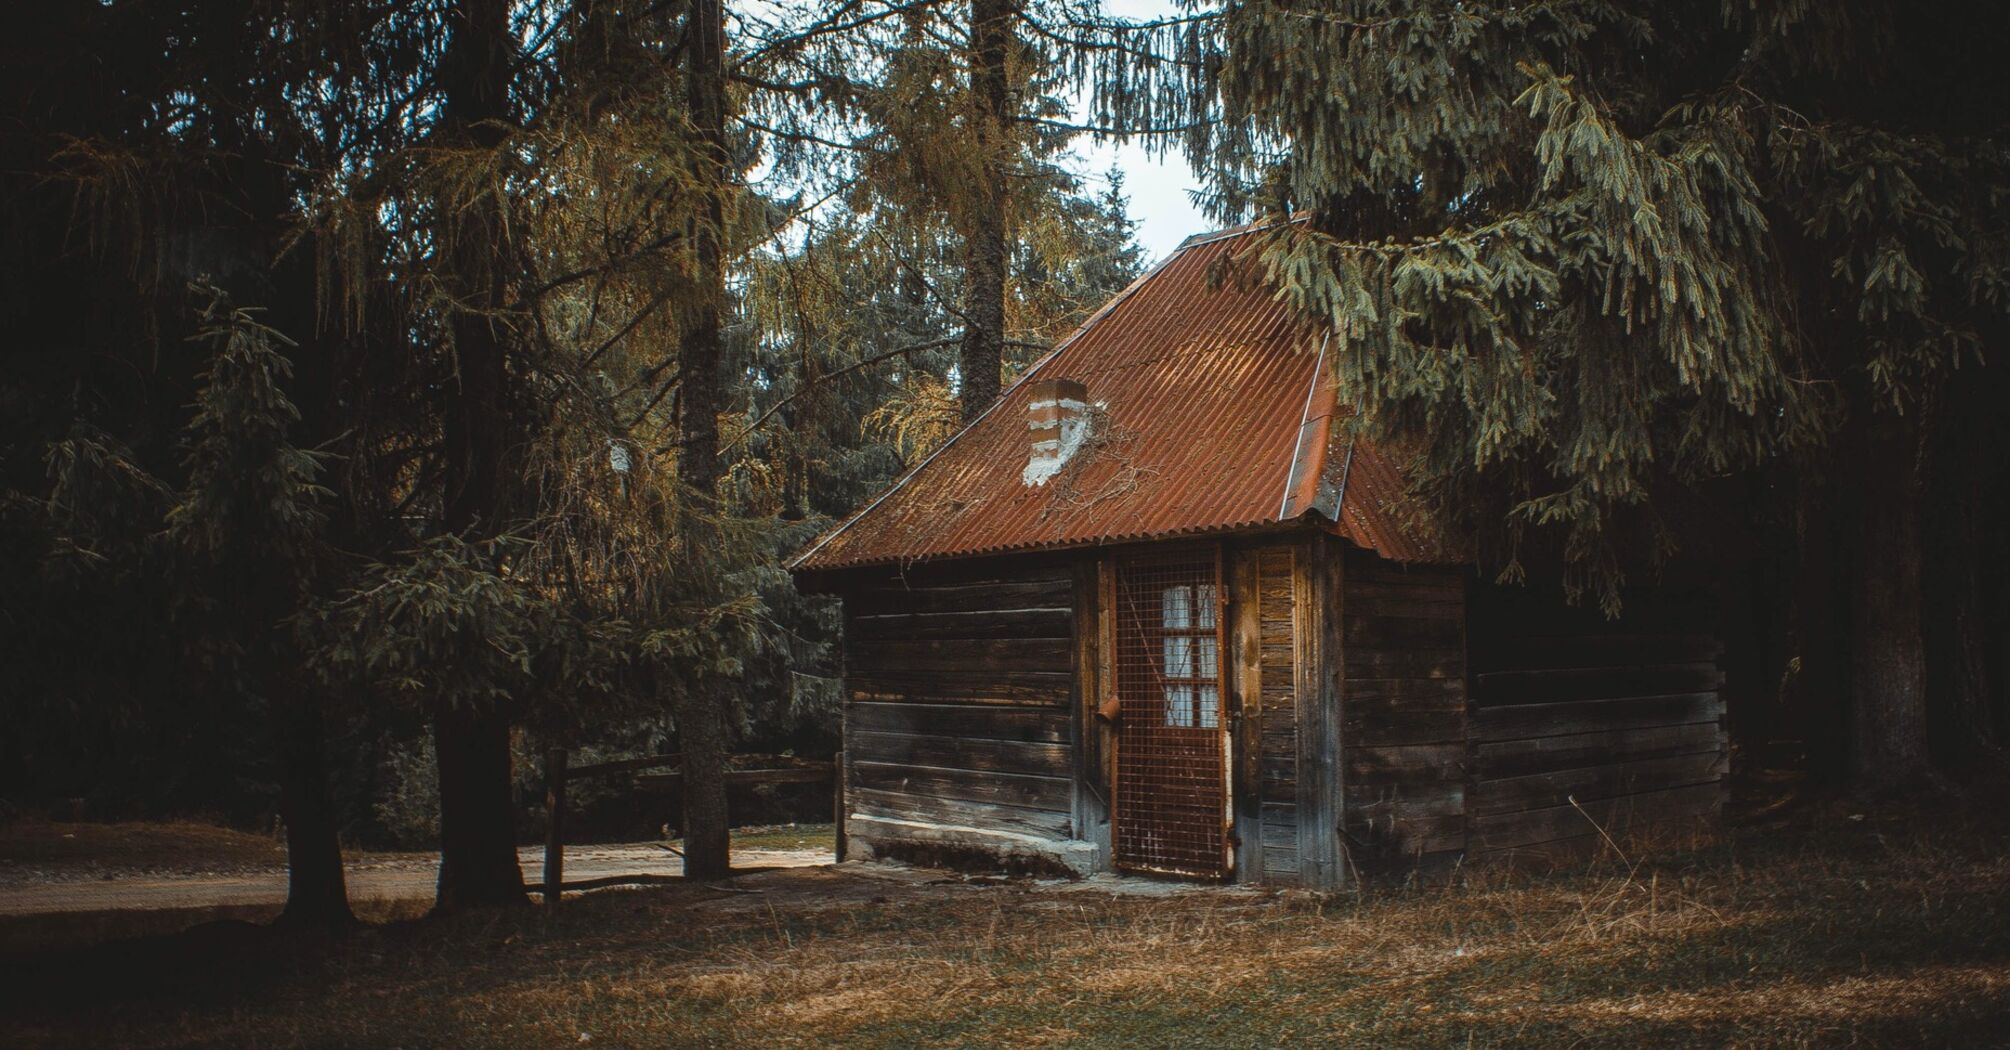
x,y
1052,453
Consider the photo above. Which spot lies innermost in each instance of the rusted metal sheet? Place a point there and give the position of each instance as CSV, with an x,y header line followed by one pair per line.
x,y
1213,412
1367,501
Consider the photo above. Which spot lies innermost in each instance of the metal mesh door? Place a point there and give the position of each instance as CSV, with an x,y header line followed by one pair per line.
x,y
1172,784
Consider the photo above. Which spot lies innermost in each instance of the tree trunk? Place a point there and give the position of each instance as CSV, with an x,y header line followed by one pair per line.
x,y
316,886
1818,706
478,864
698,358
317,896
702,729
1888,736
983,352
1995,578
701,714
1961,708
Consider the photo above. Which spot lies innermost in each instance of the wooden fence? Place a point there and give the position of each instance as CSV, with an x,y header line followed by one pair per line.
x,y
558,771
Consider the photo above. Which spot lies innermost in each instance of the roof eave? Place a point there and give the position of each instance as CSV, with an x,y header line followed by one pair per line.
x,y
1310,519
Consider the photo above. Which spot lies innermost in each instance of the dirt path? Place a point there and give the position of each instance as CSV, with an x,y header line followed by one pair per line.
x,y
395,879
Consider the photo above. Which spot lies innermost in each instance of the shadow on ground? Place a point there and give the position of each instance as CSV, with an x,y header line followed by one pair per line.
x,y
1892,931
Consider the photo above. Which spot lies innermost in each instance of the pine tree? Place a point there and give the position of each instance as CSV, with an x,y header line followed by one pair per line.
x,y
1574,252
504,240
250,526
956,118
702,712
989,122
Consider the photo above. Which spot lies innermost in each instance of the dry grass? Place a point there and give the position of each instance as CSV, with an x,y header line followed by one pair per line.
x,y
1853,933
177,845
25,937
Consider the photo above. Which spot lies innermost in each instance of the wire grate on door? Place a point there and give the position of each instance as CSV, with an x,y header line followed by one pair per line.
x,y
1171,744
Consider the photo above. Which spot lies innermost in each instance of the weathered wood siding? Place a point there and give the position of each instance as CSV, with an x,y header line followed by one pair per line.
x,y
961,693
1277,787
1403,711
1580,723
1262,589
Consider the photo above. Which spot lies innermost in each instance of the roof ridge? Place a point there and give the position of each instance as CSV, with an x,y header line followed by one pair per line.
x,y
1243,230
1298,472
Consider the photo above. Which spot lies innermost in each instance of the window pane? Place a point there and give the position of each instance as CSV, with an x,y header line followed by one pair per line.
x,y
1179,705
1176,606
1207,658
1210,707
1179,656
1204,605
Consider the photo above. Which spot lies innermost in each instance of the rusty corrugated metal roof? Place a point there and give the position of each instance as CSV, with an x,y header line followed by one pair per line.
x,y
1214,412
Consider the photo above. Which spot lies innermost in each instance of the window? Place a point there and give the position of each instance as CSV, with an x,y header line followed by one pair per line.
x,y
1190,655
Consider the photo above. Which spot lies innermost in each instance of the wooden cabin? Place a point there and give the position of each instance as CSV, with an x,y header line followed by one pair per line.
x,y
1156,612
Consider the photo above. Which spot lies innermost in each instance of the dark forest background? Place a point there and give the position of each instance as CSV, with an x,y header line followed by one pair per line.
x,y
394,389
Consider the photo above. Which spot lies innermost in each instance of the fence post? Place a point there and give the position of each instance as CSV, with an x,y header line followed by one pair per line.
x,y
554,824
837,804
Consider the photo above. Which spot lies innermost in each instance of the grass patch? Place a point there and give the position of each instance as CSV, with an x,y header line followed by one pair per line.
x,y
1880,932
787,836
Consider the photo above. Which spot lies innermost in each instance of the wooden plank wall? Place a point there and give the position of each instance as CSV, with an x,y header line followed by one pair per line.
x,y
1316,588
1095,737
1403,723
1276,694
1625,718
960,690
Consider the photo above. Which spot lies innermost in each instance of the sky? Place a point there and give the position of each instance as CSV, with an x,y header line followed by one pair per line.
x,y
1158,188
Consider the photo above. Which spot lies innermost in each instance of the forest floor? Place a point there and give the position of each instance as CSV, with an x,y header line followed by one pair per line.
x,y
1834,927
73,882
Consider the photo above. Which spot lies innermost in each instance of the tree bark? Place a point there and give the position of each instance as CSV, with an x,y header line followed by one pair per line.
x,y
317,895
1888,725
702,730
1995,576
478,863
1818,707
699,352
1961,705
983,351
701,714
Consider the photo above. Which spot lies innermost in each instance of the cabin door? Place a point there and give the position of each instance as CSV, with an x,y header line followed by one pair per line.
x,y
1171,814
